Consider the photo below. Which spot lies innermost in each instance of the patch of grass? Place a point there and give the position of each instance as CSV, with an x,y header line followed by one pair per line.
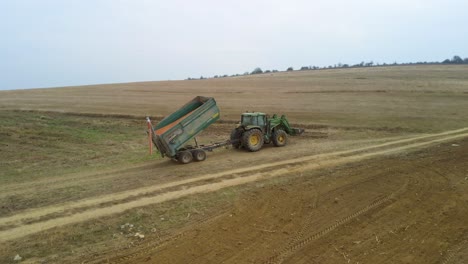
x,y
34,145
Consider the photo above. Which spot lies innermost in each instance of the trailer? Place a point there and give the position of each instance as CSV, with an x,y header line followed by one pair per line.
x,y
171,135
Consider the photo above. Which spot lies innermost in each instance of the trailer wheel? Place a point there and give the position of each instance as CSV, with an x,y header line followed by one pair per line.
x,y
253,140
236,135
199,155
185,157
280,138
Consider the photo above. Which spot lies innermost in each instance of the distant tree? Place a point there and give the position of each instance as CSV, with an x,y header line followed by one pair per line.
x,y
225,75
257,71
446,61
290,69
274,70
267,71
465,60
369,64
216,76
457,60
345,65
201,77
246,73
304,68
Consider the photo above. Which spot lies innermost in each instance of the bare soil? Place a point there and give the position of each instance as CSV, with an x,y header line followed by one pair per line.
x,y
407,208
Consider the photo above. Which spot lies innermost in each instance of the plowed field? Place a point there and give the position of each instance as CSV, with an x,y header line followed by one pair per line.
x,y
408,208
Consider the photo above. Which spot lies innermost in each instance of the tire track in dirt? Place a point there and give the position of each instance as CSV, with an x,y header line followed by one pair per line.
x,y
10,189
70,206
301,239
303,233
300,242
29,215
255,173
451,253
427,185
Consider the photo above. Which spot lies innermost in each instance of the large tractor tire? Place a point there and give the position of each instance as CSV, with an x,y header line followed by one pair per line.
x,y
184,157
236,135
252,140
199,155
280,138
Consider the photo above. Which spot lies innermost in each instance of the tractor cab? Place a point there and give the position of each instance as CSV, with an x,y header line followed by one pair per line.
x,y
254,120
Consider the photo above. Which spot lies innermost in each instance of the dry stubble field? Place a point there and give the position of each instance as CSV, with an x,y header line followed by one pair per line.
x,y
380,176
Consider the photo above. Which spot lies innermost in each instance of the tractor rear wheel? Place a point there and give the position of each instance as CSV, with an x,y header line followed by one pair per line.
x,y
184,157
199,155
236,136
252,140
280,138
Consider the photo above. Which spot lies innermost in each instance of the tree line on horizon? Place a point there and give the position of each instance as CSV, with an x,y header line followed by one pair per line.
x,y
455,60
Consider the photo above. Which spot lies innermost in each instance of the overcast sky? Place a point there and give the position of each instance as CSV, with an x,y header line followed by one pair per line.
x,y
46,43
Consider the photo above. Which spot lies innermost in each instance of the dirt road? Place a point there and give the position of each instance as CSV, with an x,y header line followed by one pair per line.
x,y
40,219
404,208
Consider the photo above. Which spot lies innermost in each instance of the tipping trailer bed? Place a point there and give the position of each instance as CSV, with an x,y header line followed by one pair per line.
x,y
171,135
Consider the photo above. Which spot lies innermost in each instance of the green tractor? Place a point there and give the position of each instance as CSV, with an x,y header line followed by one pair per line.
x,y
256,129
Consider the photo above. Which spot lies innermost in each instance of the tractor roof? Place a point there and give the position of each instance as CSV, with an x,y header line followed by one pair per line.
x,y
254,114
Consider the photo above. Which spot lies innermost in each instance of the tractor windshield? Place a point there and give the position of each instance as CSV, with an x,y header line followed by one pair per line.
x,y
253,120
246,120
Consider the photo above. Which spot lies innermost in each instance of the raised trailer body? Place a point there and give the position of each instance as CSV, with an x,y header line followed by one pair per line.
x,y
170,136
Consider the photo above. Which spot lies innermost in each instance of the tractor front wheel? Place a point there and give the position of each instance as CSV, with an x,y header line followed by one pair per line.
x,y
280,138
252,140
